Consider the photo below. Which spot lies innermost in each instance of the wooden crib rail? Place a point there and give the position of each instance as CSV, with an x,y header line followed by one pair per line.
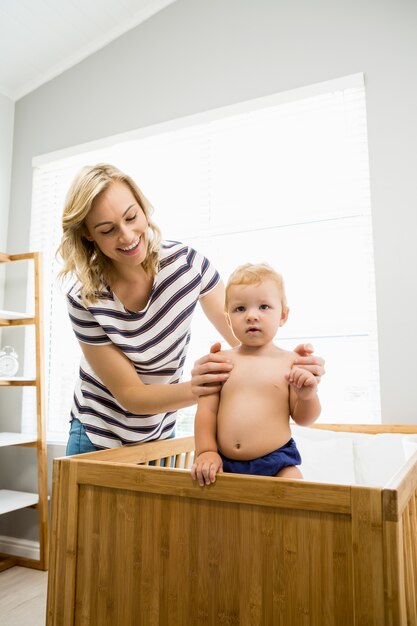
x,y
370,429
178,453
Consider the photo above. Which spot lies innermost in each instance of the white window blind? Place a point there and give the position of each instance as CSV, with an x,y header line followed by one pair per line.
x,y
284,183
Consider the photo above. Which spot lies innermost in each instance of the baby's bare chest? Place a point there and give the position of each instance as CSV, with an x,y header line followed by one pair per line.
x,y
258,374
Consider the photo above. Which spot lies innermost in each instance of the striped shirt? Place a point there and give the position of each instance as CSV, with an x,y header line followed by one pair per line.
x,y
154,339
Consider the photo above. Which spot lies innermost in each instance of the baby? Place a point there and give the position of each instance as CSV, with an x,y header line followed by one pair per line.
x,y
245,428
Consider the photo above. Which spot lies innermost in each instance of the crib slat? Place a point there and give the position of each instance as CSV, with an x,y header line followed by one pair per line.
x,y
410,594
413,544
368,560
410,566
71,548
57,602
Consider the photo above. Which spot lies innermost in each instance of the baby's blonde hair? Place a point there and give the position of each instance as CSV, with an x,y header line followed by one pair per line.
x,y
254,274
82,257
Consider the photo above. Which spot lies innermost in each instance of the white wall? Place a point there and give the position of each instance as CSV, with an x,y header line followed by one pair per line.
x,y
199,54
6,143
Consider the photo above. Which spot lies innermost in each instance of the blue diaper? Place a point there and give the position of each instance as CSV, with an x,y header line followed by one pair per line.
x,y
268,465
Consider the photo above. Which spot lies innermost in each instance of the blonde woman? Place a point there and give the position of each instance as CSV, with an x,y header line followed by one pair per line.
x,y
131,308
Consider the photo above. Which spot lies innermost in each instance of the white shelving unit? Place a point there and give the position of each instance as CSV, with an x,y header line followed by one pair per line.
x,y
15,500
12,315
17,439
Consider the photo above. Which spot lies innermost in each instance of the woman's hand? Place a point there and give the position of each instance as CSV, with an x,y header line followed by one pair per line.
x,y
304,383
210,372
306,360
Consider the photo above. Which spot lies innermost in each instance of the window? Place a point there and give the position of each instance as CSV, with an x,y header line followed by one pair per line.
x,y
282,179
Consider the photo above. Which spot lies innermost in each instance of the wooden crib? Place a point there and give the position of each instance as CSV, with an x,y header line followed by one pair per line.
x,y
134,544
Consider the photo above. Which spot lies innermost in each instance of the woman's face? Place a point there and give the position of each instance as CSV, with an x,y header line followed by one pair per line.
x,y
118,226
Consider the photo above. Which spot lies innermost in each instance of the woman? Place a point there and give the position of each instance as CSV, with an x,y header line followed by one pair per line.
x,y
131,308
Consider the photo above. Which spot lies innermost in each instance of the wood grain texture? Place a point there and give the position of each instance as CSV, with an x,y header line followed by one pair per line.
x,y
147,559
136,545
410,559
368,566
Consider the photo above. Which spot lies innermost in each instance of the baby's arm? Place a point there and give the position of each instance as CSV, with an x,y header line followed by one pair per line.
x,y
207,462
304,402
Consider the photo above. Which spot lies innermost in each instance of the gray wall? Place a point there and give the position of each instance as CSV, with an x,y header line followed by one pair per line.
x,y
6,143
199,54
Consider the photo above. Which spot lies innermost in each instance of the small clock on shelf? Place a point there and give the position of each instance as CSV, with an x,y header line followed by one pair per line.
x,y
9,362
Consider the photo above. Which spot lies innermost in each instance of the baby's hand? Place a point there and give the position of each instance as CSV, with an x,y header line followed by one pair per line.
x,y
303,382
205,468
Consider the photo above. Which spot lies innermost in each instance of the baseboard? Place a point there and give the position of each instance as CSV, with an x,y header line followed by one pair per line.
x,y
20,547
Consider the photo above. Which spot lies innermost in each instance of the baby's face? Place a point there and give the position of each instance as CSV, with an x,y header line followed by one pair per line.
x,y
255,312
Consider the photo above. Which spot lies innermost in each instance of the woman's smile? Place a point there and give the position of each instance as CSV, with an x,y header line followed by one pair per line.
x,y
132,248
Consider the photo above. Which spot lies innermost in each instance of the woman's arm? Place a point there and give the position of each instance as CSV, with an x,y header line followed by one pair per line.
x,y
119,376
213,369
213,307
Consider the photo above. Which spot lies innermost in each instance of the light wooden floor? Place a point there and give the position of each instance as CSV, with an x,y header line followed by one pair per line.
x,y
23,597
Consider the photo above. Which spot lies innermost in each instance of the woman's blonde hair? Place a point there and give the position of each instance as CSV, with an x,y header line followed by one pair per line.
x,y
253,274
82,257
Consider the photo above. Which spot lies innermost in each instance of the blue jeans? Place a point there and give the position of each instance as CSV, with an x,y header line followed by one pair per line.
x,y
78,441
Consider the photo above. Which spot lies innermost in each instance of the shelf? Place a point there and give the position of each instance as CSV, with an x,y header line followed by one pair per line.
x,y
17,381
14,500
32,377
14,315
17,439
13,318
